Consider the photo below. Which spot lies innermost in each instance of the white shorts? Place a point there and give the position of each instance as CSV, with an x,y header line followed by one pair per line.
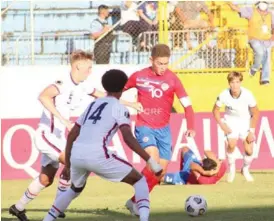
x,y
113,169
239,128
50,146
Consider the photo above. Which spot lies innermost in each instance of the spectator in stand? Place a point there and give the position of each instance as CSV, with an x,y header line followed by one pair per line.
x,y
100,27
148,13
188,17
130,20
261,35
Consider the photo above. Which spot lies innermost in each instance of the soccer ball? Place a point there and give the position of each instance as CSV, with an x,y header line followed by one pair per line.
x,y
195,205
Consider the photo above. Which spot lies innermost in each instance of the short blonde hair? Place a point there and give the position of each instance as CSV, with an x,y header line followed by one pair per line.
x,y
79,55
232,75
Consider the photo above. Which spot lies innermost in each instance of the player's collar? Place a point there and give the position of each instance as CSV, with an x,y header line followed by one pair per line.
x,y
235,97
72,80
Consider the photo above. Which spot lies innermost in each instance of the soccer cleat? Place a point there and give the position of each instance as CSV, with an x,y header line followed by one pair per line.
x,y
21,215
231,176
247,174
132,208
62,215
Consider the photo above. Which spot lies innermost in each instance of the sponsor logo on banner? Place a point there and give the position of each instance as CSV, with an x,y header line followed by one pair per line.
x,y
20,158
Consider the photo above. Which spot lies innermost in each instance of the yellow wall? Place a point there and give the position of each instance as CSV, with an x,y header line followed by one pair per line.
x,y
203,90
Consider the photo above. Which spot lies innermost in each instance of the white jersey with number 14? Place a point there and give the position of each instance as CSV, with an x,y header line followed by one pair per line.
x,y
99,123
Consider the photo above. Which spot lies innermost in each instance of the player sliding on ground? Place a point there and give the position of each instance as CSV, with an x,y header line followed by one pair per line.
x,y
240,119
156,88
58,99
193,171
86,149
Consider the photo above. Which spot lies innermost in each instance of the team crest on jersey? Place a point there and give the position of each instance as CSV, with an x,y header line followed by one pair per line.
x,y
145,139
59,82
164,86
127,114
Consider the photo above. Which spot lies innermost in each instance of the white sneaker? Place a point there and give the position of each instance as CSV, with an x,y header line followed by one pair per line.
x,y
231,176
132,207
247,175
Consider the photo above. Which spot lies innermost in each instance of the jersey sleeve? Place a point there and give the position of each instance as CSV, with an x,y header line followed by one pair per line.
x,y
220,100
121,115
251,101
60,85
131,83
181,93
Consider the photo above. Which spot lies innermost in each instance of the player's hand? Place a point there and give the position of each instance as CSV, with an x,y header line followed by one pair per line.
x,y
213,172
138,106
226,129
190,133
155,167
250,138
67,123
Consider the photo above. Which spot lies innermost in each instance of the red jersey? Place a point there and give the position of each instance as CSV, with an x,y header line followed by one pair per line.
x,y
192,179
156,94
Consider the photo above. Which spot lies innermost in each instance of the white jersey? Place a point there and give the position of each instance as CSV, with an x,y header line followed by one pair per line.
x,y
69,98
236,107
99,123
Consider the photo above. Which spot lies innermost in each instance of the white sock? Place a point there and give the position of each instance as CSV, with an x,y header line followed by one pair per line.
x,y
63,185
247,161
142,198
60,204
33,190
231,161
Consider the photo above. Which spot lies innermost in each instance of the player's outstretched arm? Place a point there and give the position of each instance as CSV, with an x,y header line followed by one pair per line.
x,y
217,116
135,105
72,135
46,97
186,103
135,146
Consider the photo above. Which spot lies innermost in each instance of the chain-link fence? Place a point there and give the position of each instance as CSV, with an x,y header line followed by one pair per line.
x,y
202,35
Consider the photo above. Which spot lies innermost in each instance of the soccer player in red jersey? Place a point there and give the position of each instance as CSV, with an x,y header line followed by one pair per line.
x,y
193,171
156,86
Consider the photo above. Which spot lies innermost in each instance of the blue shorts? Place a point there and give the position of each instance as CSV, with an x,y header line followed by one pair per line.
x,y
160,138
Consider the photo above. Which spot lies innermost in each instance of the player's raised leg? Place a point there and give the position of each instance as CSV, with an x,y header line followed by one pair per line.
x,y
44,180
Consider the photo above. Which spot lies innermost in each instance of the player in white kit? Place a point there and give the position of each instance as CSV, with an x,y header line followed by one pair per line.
x,y
86,149
240,119
59,99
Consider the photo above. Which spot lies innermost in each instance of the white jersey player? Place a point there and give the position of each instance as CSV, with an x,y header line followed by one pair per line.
x,y
87,151
240,119
59,100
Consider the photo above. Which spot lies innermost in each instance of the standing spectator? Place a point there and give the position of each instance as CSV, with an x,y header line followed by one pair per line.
x,y
99,27
260,34
188,13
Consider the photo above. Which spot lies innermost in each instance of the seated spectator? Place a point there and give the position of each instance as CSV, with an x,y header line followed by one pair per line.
x,y
208,171
100,27
148,13
260,34
188,17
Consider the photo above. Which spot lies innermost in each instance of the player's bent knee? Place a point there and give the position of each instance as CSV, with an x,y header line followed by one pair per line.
x,y
45,180
77,189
